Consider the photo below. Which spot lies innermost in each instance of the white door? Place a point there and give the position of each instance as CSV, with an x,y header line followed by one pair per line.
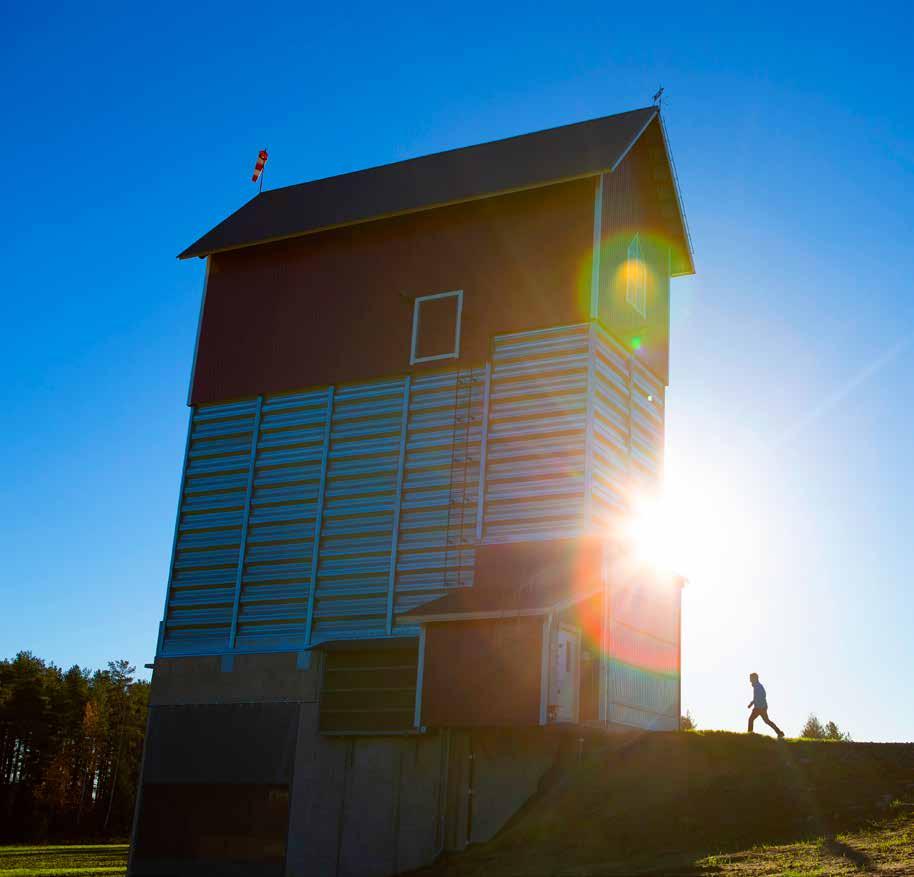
x,y
564,675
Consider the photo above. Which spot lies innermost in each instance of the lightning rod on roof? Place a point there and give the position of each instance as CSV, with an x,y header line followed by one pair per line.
x,y
658,97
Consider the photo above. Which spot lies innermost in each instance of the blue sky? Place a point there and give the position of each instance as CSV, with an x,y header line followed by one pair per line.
x,y
128,133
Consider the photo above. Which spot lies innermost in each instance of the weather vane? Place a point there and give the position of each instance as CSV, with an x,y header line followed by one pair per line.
x,y
658,97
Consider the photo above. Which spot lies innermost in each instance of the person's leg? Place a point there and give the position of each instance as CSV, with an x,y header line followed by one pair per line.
x,y
752,717
769,723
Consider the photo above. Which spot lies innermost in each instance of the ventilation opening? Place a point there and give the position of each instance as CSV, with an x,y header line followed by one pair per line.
x,y
369,691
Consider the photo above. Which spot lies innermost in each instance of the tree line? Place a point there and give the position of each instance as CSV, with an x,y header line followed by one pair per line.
x,y
70,748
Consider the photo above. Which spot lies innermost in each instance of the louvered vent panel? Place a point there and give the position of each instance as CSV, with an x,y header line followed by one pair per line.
x,y
276,581
535,443
647,427
440,487
643,669
536,440
356,537
202,580
627,438
369,691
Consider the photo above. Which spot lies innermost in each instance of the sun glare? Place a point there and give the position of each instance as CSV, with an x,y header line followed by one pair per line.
x,y
697,527
651,533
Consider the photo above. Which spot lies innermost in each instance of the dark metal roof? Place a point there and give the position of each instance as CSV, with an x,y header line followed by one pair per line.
x,y
529,578
523,162
478,603
520,579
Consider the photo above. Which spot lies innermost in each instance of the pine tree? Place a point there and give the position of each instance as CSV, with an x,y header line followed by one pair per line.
x,y
833,732
813,729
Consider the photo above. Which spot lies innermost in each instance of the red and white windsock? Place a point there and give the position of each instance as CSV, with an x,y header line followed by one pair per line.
x,y
258,168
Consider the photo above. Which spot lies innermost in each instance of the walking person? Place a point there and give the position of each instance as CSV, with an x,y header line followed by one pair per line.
x,y
759,706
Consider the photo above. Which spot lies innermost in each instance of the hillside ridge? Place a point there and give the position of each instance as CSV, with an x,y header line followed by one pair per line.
x,y
675,803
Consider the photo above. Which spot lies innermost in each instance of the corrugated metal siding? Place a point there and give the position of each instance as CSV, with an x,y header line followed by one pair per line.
x,y
359,509
643,662
201,591
276,581
537,435
628,426
269,474
437,529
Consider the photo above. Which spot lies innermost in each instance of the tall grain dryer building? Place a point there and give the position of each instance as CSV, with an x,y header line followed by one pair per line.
x,y
425,398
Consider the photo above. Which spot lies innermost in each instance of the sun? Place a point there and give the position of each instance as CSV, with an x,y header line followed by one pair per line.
x,y
652,533
698,525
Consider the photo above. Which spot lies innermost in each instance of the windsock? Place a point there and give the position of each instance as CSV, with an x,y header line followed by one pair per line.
x,y
258,168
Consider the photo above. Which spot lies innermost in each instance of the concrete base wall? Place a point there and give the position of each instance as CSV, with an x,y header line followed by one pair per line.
x,y
377,806
366,806
358,806
492,773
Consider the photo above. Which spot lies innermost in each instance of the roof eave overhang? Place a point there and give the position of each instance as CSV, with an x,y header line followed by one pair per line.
x,y
688,251
192,251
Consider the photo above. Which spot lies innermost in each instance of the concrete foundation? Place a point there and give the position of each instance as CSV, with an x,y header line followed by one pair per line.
x,y
352,806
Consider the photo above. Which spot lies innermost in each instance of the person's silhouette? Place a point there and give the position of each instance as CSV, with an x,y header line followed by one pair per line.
x,y
759,706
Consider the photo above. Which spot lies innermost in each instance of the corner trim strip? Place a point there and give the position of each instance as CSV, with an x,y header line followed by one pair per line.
x,y
246,516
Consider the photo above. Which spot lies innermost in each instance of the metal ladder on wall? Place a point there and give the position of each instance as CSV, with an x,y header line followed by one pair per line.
x,y
464,386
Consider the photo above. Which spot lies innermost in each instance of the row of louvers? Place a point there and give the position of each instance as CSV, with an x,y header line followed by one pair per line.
x,y
312,516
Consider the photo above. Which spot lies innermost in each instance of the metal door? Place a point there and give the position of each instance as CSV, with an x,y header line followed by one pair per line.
x,y
564,675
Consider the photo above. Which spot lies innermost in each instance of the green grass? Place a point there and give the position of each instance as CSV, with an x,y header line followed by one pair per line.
x,y
712,803
63,860
885,846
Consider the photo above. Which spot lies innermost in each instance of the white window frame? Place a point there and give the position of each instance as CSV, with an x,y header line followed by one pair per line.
x,y
636,286
417,305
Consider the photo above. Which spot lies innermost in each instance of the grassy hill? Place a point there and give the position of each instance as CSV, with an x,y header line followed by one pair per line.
x,y
711,803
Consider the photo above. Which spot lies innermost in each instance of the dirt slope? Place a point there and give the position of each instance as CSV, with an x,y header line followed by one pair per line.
x,y
663,803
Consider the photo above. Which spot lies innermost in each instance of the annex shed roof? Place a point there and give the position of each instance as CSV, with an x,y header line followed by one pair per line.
x,y
517,163
518,579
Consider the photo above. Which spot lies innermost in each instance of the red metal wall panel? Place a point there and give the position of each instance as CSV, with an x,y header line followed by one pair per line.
x,y
337,306
482,673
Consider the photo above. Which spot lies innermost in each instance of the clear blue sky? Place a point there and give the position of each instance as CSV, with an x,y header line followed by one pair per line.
x,y
128,133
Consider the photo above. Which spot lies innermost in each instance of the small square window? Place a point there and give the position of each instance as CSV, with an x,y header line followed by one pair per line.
x,y
636,277
436,326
